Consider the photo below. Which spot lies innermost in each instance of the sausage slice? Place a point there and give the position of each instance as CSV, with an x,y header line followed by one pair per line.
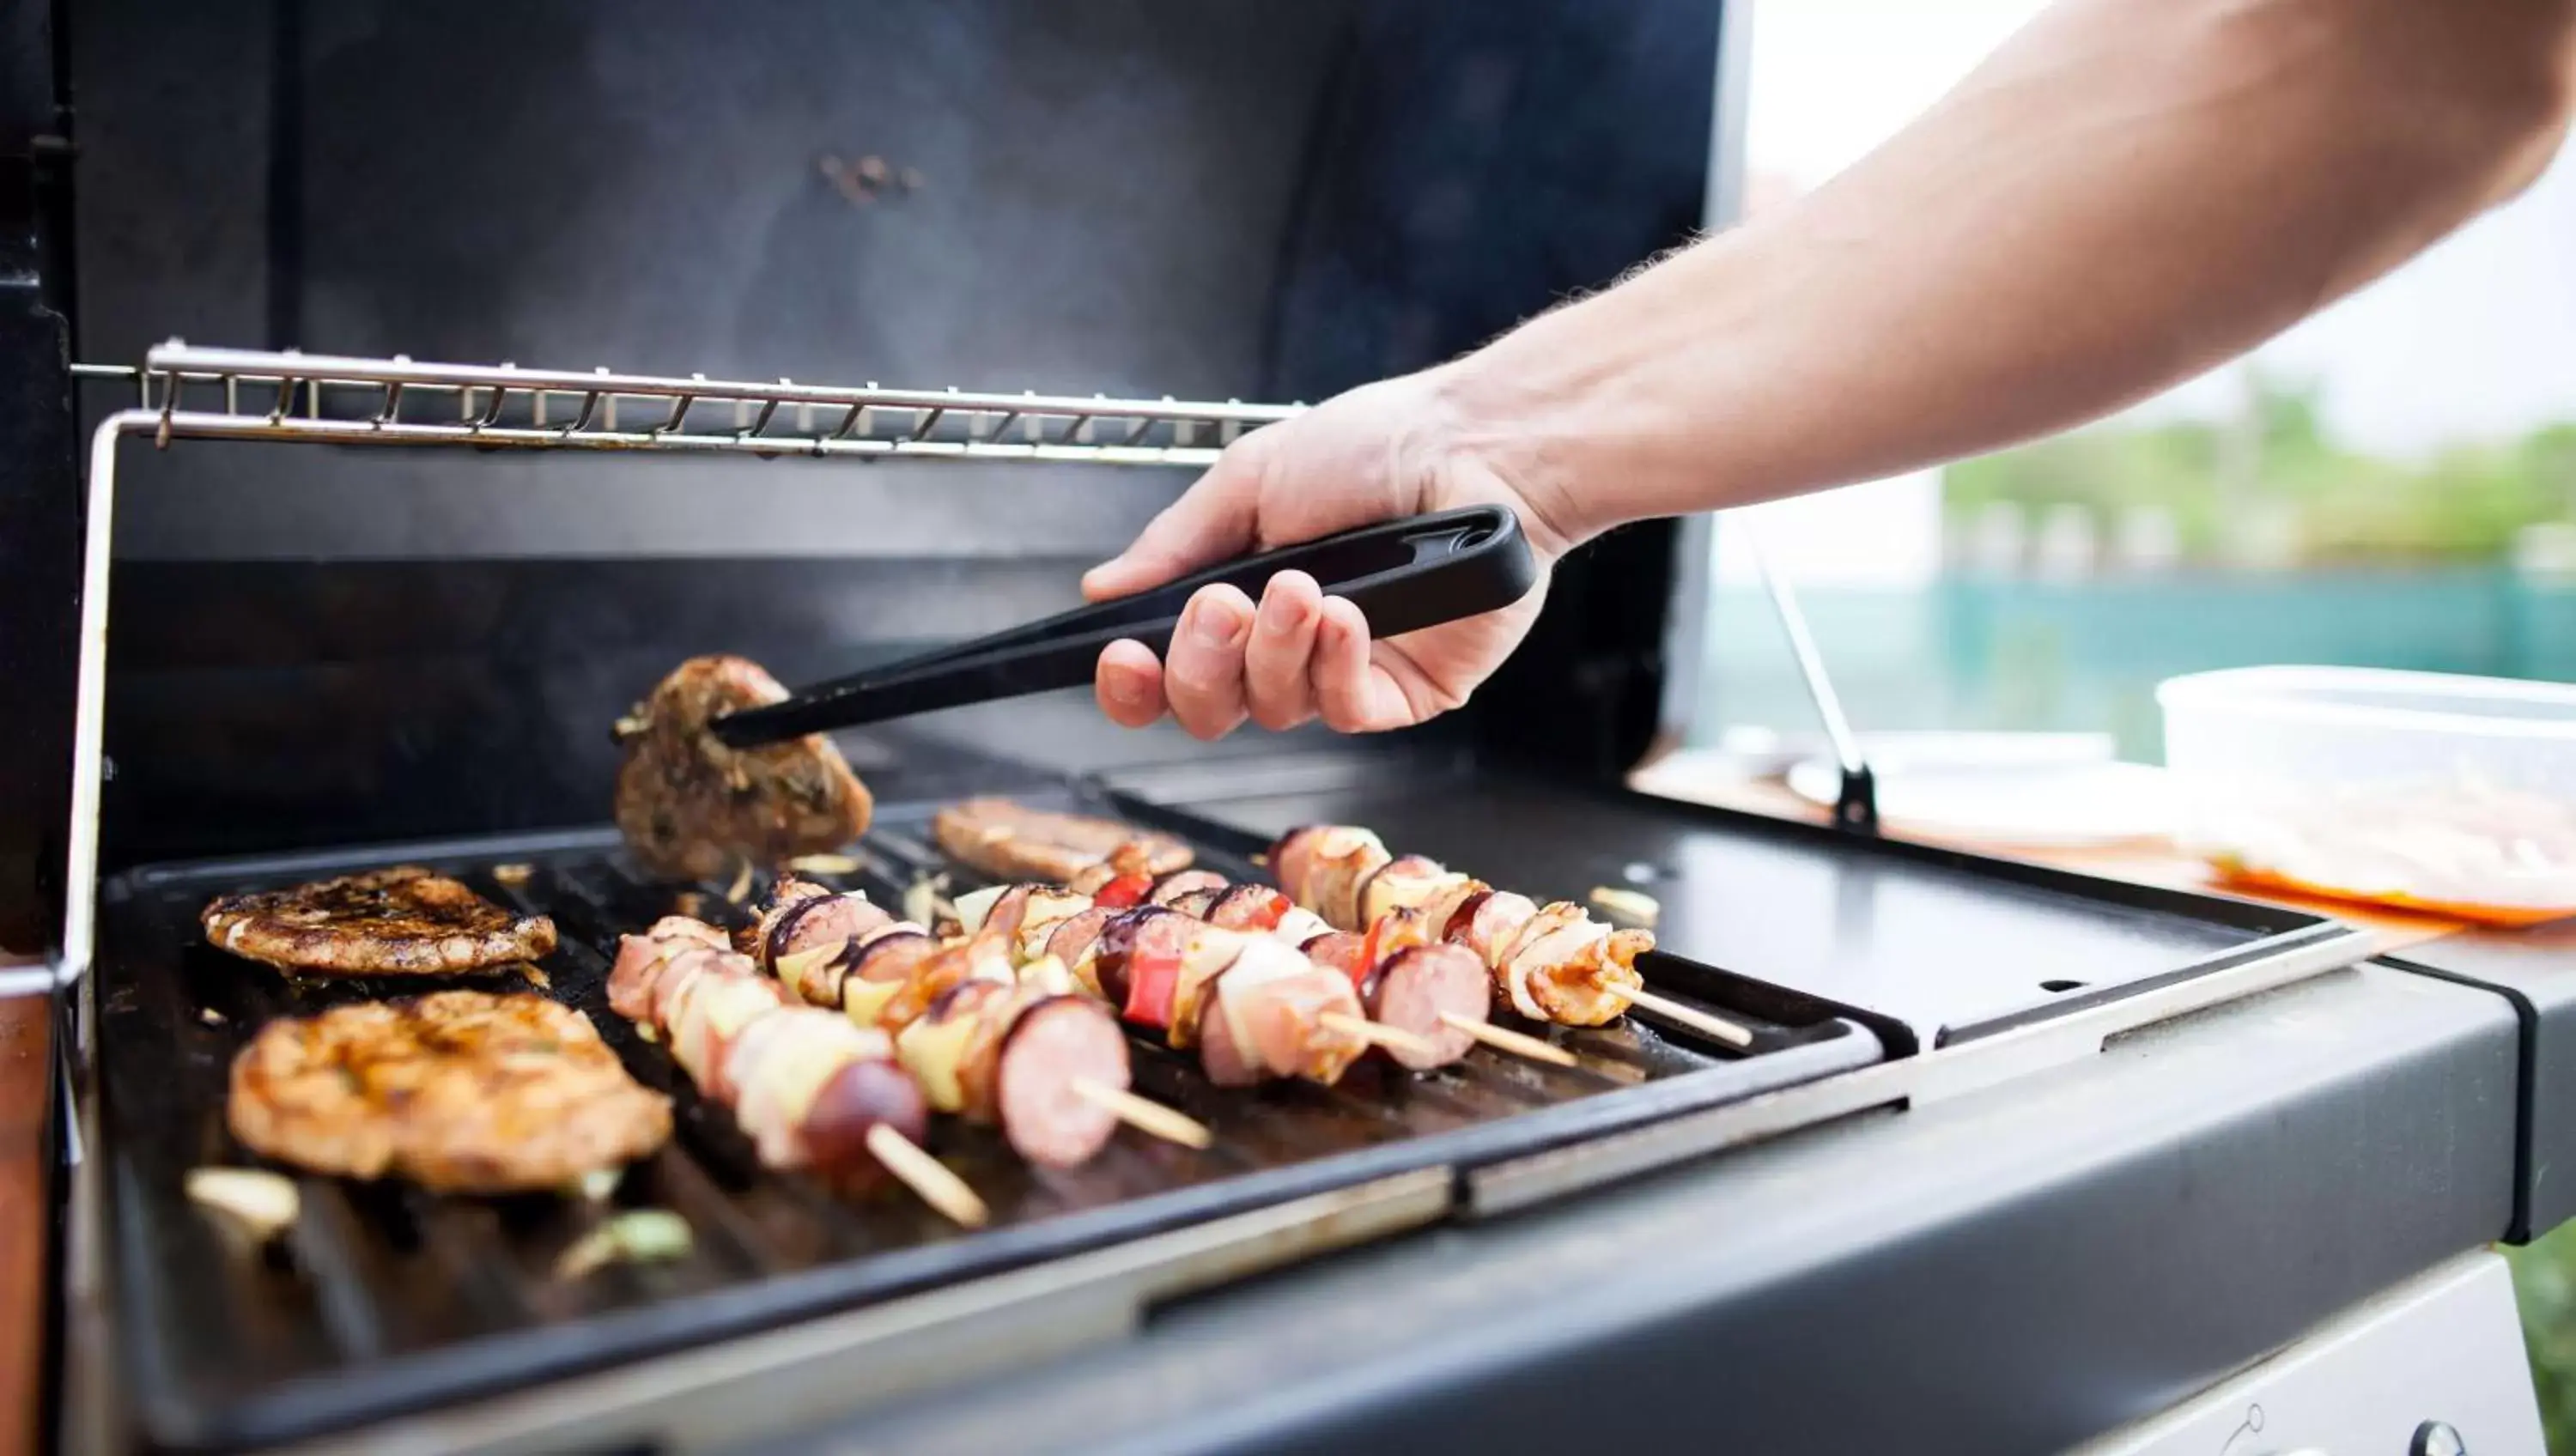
x,y
1413,989
1051,1049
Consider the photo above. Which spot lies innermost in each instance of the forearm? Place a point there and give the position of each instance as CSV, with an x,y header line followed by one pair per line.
x,y
2127,193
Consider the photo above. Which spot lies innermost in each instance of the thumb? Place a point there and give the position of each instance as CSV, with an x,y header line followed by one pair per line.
x,y
1213,520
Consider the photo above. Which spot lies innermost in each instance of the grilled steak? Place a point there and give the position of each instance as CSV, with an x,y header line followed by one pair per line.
x,y
459,1091
1014,842
693,808
403,921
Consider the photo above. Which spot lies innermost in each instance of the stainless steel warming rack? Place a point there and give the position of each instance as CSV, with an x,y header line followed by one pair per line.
x,y
188,392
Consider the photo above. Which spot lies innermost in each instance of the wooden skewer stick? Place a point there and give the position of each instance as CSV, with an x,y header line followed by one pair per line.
x,y
1394,1038
1640,999
1504,1040
927,1176
1143,1115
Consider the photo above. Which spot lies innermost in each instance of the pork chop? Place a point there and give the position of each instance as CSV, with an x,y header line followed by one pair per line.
x,y
403,921
693,808
459,1091
1011,841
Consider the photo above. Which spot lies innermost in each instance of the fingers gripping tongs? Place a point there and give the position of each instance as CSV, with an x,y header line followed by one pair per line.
x,y
1403,576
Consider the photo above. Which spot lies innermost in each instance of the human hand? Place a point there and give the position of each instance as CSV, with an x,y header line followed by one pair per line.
x,y
1383,451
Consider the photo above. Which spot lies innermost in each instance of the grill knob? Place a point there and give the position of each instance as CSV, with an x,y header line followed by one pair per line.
x,y
2436,1438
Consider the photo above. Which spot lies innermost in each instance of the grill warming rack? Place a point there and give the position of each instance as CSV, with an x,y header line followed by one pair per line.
x,y
289,397
333,399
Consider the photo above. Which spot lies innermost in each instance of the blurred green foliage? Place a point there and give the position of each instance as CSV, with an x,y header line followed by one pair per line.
x,y
2462,503
2544,1280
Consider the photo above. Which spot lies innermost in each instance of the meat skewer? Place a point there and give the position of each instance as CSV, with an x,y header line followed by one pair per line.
x,y
1549,962
1390,991
1438,1001
1420,1010
1045,1065
1253,1007
811,1089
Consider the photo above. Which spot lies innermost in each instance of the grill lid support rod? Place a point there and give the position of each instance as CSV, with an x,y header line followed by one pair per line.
x,y
1856,805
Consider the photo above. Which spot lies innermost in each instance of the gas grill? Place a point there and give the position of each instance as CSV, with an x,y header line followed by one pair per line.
x,y
388,1301
288,687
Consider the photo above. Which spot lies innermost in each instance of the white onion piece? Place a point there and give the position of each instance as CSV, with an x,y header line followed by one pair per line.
x,y
1299,926
258,1202
974,905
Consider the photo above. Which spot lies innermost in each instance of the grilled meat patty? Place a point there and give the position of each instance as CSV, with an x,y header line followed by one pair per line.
x,y
1011,841
693,808
459,1091
403,921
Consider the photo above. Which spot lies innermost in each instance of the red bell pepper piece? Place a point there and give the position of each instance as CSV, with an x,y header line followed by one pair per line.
x,y
1124,893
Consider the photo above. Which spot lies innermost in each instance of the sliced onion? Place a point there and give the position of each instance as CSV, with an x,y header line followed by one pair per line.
x,y
827,864
1633,906
1049,975
791,968
932,1052
1211,951
863,1000
260,1203
926,899
975,905
639,1235
1299,926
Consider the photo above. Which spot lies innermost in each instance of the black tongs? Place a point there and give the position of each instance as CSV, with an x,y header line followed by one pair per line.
x,y
1402,575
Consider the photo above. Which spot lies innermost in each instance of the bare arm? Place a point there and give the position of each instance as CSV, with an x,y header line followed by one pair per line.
x,y
2126,193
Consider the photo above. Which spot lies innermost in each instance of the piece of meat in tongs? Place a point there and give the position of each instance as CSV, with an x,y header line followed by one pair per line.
x,y
694,807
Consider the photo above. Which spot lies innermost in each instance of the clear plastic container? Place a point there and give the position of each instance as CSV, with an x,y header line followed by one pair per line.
x,y
2414,789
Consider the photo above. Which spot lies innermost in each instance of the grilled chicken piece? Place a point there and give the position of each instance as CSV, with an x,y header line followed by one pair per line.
x,y
403,921
1011,841
693,808
459,1091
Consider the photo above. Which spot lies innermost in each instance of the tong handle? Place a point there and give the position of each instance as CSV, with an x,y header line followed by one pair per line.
x,y
1403,575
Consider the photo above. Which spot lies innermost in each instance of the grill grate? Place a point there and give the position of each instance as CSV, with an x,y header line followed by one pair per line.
x,y
385,1298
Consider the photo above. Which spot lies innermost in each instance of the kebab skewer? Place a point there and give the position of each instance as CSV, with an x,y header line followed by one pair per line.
x,y
1287,1017
1426,995
1252,1006
1025,1054
1104,867
1423,1011
1549,962
811,1090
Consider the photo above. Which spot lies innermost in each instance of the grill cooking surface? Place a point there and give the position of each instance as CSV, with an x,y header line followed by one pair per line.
x,y
383,1298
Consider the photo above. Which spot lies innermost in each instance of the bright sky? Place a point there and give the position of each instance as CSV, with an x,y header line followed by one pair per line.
x,y
2476,339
